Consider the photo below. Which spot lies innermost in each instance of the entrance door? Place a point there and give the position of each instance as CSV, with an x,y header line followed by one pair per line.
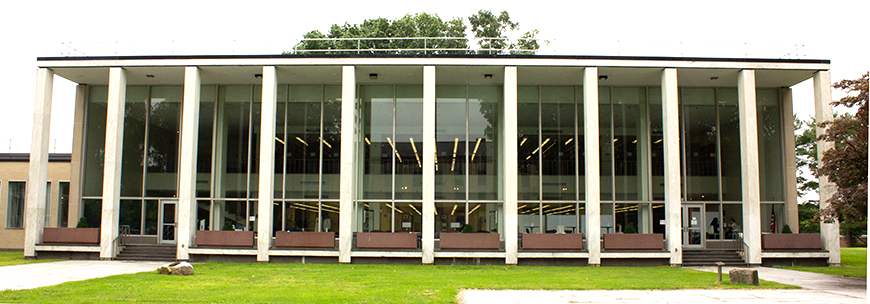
x,y
693,217
167,216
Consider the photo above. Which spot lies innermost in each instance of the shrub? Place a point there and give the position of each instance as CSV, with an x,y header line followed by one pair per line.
x,y
786,229
83,223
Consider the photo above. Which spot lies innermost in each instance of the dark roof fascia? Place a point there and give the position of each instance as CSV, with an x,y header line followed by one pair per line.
x,y
25,157
457,56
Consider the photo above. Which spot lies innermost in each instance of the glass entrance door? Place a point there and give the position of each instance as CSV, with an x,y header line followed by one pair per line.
x,y
166,229
693,217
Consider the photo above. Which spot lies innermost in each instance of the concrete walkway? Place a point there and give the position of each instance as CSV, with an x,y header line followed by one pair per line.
x,y
818,288
52,273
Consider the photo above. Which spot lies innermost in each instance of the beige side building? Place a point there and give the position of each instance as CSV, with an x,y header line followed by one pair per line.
x,y
13,178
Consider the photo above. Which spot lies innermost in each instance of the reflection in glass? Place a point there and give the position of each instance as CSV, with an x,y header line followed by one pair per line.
x,y
377,129
528,110
164,122
130,214
450,142
770,153
558,154
606,143
729,144
132,155
95,142
699,144
409,143
483,116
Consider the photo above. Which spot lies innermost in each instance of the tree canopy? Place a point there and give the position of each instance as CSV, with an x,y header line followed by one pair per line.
x,y
845,164
451,36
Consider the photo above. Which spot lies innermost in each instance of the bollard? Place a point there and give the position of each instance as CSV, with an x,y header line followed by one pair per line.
x,y
719,270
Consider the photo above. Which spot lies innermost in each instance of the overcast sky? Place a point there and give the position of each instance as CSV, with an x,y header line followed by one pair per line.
x,y
835,30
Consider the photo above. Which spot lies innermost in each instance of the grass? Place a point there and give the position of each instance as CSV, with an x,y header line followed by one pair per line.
x,y
853,263
308,283
8,258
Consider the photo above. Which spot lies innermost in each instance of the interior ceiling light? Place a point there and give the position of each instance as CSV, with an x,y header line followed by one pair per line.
x,y
149,76
414,146
475,148
487,76
569,141
602,77
714,78
373,76
258,76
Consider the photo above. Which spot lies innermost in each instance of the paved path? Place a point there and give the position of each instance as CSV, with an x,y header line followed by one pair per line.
x,y
46,274
818,288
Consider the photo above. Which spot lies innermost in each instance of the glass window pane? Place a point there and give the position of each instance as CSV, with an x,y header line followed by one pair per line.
x,y
581,144
770,153
279,142
47,213
300,216
627,218
207,100
658,219
450,140
699,144
528,110
560,218
656,143
231,142
714,221
303,141
605,123
558,172
329,217
409,142
607,221
92,210
450,218
151,217
63,205
203,215
483,145
377,128
772,218
331,142
729,144
628,123
15,204
132,155
409,217
95,141
254,168
164,125
732,216
130,214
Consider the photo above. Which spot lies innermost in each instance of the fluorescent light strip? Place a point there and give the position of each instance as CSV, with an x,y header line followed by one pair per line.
x,y
415,209
472,209
414,146
569,141
523,141
389,140
302,141
279,140
368,142
394,208
455,145
454,209
475,148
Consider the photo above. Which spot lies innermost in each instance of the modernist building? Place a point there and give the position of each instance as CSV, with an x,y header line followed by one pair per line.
x,y
13,185
590,159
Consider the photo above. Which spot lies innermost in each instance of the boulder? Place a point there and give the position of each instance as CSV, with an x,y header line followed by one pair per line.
x,y
745,276
177,268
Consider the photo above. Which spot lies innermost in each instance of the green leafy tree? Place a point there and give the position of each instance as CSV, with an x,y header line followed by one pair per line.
x,y
454,40
845,164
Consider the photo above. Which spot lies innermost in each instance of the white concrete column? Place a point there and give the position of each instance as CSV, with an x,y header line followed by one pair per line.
x,y
511,164
345,194
34,215
671,138
187,165
791,207
749,164
112,161
266,191
593,161
428,240
830,231
78,151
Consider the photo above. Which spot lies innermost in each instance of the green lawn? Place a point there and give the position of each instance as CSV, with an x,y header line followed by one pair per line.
x,y
853,263
308,283
17,258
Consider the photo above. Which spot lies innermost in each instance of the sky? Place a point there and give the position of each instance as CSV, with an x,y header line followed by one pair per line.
x,y
834,30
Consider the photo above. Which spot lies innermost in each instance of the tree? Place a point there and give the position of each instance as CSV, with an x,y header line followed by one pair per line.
x,y
806,155
845,164
484,25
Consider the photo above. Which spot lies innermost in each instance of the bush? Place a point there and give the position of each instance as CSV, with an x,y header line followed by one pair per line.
x,y
786,229
83,223
228,226
629,228
467,229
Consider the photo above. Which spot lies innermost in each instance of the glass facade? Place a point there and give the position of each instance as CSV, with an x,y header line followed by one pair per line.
x,y
469,169
15,192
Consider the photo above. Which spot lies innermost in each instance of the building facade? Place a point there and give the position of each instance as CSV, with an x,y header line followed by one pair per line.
x,y
14,170
588,159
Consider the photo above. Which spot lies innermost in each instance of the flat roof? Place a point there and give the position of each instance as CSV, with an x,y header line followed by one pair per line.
x,y
439,56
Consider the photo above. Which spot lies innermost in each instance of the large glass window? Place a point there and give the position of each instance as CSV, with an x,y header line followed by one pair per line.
x,y
699,139
95,141
15,195
729,145
392,159
47,213
770,153
164,125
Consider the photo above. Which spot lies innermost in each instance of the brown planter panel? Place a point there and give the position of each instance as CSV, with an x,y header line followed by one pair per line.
x,y
642,241
299,239
552,241
84,236
216,238
791,241
386,240
469,241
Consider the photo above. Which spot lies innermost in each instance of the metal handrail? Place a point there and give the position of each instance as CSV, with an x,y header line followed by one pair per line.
x,y
740,245
120,241
426,48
